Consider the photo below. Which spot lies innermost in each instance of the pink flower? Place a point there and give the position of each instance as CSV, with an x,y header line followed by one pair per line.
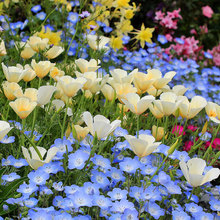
x,y
174,14
207,11
204,29
159,15
192,128
178,129
193,31
216,143
187,146
169,37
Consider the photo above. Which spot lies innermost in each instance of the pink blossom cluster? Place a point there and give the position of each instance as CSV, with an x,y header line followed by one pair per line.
x,y
216,55
170,20
188,49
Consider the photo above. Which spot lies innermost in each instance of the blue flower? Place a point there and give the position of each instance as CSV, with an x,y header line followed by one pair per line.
x,y
43,215
116,175
8,140
100,178
193,208
77,160
102,201
20,163
91,188
163,178
44,190
182,156
80,199
173,188
38,177
52,167
73,17
118,194
36,8
10,177
136,192
154,210
70,190
31,202
162,39
58,186
63,216
120,132
148,170
27,189
120,206
130,214
179,40
9,161
180,215
129,165
41,15
107,29
151,193
203,215
214,204
101,161
208,55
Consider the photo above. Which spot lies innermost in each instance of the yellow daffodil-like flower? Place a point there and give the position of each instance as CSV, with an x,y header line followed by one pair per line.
x,y
53,37
23,107
99,125
142,146
42,68
213,111
108,92
129,14
34,160
81,132
4,128
123,27
10,88
191,109
193,172
157,132
144,35
136,104
116,42
122,3
87,66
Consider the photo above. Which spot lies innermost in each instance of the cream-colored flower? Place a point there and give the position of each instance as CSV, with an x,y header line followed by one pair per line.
x,y
193,172
87,66
136,104
142,82
2,48
108,92
157,132
55,73
160,82
213,111
42,68
99,125
122,89
29,73
58,104
98,42
157,109
54,52
27,51
34,160
169,103
23,107
191,109
4,128
13,73
38,44
44,94
179,90
10,88
142,146
121,76
71,86
153,91
30,93
81,132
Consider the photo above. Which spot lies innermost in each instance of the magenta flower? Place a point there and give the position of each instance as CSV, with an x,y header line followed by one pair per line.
x,y
207,11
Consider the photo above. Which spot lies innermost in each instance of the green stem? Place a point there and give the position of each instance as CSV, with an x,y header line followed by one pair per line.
x,y
193,189
34,120
138,125
64,120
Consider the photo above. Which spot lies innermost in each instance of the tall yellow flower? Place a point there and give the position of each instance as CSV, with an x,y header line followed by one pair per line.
x,y
116,42
123,3
144,35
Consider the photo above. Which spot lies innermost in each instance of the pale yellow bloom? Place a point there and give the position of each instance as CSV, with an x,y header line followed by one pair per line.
x,y
29,73
179,90
108,92
55,72
157,112
42,68
193,172
142,146
191,109
10,88
54,52
23,107
2,48
13,73
87,66
81,132
27,51
29,93
157,132
38,44
98,42
4,129
136,104
213,111
34,160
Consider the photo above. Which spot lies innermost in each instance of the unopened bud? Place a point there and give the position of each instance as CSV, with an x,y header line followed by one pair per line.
x,y
204,129
173,147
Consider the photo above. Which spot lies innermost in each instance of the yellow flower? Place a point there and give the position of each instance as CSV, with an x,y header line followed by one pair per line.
x,y
23,107
55,72
9,89
123,3
116,42
144,35
129,14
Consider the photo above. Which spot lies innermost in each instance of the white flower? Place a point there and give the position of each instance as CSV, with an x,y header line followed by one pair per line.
x,y
97,42
100,125
193,172
4,129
